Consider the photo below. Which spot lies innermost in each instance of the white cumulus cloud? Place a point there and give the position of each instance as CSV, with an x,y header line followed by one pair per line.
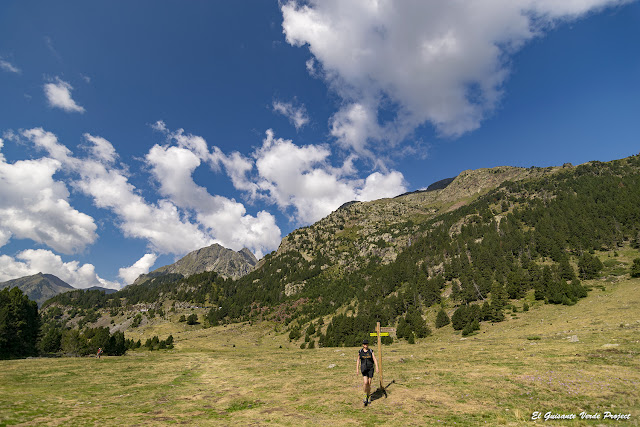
x,y
58,94
186,218
5,236
142,266
440,62
297,114
161,224
101,149
35,206
302,179
299,180
354,125
226,220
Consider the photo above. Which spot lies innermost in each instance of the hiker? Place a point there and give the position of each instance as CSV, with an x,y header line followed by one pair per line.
x,y
365,365
99,353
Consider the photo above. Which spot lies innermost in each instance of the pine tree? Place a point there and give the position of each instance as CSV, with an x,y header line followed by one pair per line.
x,y
455,291
311,329
442,319
294,334
566,272
50,342
19,324
486,313
117,344
471,327
403,330
589,266
635,268
458,320
417,324
192,319
74,343
498,296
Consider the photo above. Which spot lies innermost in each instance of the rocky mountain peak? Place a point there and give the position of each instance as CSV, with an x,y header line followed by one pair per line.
x,y
217,258
39,287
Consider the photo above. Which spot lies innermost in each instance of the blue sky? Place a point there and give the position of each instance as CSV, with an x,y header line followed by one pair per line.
x,y
134,132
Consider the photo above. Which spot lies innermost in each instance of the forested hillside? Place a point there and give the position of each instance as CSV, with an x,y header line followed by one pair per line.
x,y
536,234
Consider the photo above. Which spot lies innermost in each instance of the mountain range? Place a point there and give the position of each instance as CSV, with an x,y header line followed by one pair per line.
x,y
226,262
472,244
39,287
42,286
360,223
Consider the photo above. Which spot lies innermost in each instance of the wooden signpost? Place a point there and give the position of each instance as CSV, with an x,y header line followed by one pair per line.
x,y
381,332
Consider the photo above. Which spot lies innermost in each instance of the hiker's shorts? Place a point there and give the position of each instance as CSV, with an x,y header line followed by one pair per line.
x,y
367,372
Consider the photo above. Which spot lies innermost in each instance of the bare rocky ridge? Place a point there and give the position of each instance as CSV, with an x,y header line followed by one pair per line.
x,y
226,262
39,287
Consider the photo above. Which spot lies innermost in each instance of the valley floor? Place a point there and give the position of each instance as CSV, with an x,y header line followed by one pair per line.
x,y
563,360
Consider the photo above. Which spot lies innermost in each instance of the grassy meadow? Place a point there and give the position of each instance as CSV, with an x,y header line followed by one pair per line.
x,y
250,375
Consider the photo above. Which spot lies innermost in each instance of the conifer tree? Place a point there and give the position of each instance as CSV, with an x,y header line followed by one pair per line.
x,y
635,268
442,319
50,342
73,342
403,330
412,338
589,266
19,324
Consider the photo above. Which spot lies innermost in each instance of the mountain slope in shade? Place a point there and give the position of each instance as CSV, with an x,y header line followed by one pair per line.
x,y
39,287
226,262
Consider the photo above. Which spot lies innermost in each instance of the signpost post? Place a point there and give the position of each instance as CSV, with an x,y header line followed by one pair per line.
x,y
381,332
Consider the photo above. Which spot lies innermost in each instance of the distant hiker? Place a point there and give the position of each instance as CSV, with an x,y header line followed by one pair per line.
x,y
366,365
99,353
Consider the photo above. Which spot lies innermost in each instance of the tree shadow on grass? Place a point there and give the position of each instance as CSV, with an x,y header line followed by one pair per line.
x,y
380,392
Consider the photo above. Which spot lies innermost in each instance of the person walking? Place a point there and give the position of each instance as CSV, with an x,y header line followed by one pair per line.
x,y
366,365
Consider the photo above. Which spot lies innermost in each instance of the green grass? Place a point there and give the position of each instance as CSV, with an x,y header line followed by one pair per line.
x,y
241,405
497,377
